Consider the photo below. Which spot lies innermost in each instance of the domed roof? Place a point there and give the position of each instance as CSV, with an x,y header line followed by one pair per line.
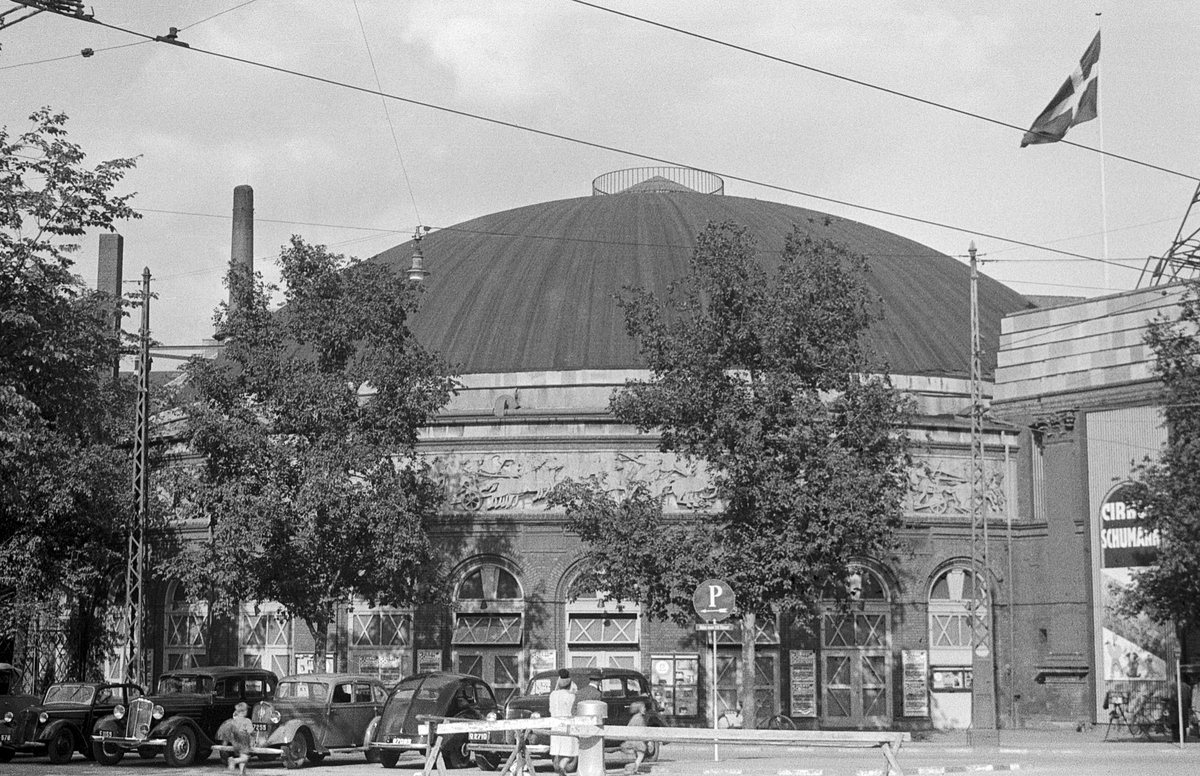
x,y
531,289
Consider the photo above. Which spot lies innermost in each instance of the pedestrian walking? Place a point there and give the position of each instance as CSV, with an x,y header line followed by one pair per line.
x,y
630,746
564,750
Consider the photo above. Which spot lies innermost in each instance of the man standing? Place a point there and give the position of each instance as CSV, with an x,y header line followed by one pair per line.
x,y
590,691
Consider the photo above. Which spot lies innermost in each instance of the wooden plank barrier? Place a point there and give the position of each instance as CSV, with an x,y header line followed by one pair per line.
x,y
889,742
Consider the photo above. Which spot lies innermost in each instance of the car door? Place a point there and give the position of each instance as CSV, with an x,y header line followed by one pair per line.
x,y
344,716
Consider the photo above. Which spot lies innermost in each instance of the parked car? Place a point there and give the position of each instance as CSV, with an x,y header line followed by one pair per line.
x,y
437,694
11,697
182,716
59,725
620,687
314,715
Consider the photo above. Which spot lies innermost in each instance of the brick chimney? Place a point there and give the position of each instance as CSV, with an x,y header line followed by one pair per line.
x,y
108,281
242,248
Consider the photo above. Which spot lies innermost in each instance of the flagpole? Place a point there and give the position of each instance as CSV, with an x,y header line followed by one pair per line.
x,y
1103,188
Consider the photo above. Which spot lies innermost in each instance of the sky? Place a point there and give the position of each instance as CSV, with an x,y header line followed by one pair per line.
x,y
336,166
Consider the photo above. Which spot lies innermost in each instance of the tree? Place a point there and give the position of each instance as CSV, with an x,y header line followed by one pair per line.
x,y
65,493
304,432
1167,492
761,373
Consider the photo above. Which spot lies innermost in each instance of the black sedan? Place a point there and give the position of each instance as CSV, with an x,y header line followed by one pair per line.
x,y
59,726
438,694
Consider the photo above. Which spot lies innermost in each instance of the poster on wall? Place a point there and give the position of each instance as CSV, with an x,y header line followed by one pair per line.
x,y
804,682
915,664
1135,648
542,660
429,660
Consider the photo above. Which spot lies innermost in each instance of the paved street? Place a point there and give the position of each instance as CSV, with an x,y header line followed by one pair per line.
x,y
1039,753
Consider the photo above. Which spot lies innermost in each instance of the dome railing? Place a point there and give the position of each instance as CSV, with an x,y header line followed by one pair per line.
x,y
644,178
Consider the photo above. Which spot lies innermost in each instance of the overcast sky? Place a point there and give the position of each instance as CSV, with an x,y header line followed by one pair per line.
x,y
318,154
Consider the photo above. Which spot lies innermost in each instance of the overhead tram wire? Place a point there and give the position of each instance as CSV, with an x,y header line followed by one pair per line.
x,y
876,87
614,243
387,113
123,45
593,144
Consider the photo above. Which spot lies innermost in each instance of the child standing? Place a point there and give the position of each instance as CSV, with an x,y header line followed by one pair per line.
x,y
237,732
636,748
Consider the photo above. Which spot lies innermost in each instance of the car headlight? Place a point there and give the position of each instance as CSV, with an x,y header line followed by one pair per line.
x,y
158,712
492,716
8,717
119,711
535,715
275,717
43,718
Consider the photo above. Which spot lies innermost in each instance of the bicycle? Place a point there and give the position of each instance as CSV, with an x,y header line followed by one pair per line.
x,y
1150,718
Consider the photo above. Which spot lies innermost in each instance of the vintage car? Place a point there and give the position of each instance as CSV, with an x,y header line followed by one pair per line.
x,y
619,688
314,715
436,694
183,715
11,697
58,727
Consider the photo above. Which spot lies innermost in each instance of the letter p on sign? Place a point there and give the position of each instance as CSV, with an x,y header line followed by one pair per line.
x,y
713,600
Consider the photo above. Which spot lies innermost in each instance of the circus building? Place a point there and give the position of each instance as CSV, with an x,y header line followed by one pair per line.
x,y
522,302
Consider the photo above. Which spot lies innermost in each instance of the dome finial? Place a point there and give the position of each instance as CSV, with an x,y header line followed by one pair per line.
x,y
417,271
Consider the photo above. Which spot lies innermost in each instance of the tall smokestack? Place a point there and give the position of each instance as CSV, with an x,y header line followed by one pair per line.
x,y
242,249
108,281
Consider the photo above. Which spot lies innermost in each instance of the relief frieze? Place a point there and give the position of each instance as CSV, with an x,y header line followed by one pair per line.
x,y
938,487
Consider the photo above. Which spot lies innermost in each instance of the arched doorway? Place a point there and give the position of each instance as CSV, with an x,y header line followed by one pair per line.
x,y
856,647
488,627
950,674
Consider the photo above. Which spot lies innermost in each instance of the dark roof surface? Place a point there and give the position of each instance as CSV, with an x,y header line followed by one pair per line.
x,y
532,288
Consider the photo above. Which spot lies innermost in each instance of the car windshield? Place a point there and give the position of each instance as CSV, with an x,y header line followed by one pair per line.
x,y
180,684
70,693
316,691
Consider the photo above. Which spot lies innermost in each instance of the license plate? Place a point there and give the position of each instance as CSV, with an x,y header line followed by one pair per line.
x,y
399,740
260,727
106,734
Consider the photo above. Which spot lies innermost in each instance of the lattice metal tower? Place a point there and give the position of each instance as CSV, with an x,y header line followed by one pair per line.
x,y
983,687
1182,259
135,670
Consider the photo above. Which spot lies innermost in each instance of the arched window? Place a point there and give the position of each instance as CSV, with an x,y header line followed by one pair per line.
x,y
601,633
184,628
489,626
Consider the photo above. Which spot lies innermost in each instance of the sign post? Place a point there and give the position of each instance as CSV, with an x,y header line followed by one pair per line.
x,y
714,602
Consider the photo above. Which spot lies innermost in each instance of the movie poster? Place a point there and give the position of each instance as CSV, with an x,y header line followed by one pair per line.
x,y
1135,649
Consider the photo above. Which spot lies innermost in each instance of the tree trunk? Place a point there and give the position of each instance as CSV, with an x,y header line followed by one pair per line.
x,y
319,628
749,670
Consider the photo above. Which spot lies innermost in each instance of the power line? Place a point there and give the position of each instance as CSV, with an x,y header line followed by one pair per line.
x,y
219,13
379,86
876,87
598,145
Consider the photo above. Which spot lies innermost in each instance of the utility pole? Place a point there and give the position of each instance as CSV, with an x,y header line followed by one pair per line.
x,y
135,669
983,687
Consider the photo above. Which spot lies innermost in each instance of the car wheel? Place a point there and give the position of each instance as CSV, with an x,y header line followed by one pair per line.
x,y
295,752
6,755
147,752
455,751
180,751
107,754
389,757
486,761
653,748
61,747
372,753
315,757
